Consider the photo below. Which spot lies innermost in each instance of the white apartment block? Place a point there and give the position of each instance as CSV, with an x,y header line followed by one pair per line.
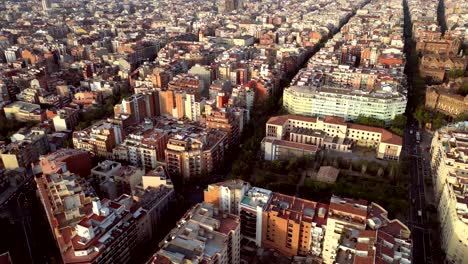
x,y
252,206
346,103
449,166
193,108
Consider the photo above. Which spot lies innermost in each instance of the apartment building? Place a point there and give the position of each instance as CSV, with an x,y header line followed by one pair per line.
x,y
226,195
344,231
87,230
225,119
306,135
143,147
204,234
343,215
205,74
26,146
111,233
99,139
193,107
138,107
156,201
449,165
66,119
167,103
253,204
116,179
189,154
294,226
346,103
156,178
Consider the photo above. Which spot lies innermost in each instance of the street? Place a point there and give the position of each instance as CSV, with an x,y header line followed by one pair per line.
x,y
417,211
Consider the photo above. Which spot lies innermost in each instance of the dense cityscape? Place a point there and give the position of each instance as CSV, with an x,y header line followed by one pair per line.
x,y
234,131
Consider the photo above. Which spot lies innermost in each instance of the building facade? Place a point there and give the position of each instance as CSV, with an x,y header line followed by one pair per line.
x,y
99,139
306,135
349,104
449,166
447,102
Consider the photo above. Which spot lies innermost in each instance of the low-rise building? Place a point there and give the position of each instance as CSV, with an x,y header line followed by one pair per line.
x,y
25,112
446,101
293,135
435,66
156,178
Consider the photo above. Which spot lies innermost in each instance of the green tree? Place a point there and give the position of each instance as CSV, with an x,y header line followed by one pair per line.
x,y
369,121
421,115
399,121
461,117
456,74
438,121
463,89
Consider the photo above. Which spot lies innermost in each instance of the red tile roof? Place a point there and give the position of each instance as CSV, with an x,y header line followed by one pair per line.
x,y
334,120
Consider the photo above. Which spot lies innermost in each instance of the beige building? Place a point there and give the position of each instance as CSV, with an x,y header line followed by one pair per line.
x,y
99,139
156,178
446,101
343,215
333,133
449,166
357,232
294,226
23,111
189,154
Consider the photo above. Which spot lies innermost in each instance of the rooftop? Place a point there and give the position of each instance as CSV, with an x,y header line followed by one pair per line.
x,y
256,197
